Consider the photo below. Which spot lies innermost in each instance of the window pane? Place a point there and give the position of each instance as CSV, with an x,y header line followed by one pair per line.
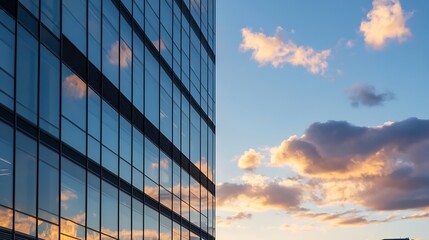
x,y
151,227
6,164
73,98
166,228
50,15
7,61
6,216
74,22
109,160
72,192
110,127
151,88
125,140
125,57
137,149
110,42
49,111
48,184
71,230
73,135
93,202
165,115
27,75
94,114
25,224
138,82
25,174
47,231
109,210
94,32
137,220
166,172
125,216
151,161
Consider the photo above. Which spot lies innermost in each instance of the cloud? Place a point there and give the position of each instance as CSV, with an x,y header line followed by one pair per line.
x,y
120,54
241,197
277,52
381,168
240,216
364,94
250,160
345,218
350,44
74,87
385,21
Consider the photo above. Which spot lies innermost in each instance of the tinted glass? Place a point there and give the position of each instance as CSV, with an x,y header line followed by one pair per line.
x,y
151,161
93,202
48,184
27,75
94,114
124,216
72,192
137,149
110,127
109,210
6,164
50,15
73,98
25,174
74,22
7,61
94,32
110,39
49,109
137,220
151,227
125,140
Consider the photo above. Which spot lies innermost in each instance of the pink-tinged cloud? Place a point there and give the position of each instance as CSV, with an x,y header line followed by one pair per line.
x,y
120,54
380,168
242,197
74,87
386,21
250,160
277,52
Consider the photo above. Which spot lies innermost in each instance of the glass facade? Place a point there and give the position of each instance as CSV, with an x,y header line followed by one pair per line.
x,y
107,119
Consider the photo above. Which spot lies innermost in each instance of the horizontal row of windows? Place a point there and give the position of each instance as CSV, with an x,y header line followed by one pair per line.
x,y
58,191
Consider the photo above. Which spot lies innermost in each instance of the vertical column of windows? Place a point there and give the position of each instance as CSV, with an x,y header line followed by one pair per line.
x,y
7,61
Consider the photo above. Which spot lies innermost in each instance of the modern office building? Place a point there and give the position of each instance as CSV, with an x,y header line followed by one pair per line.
x,y
107,119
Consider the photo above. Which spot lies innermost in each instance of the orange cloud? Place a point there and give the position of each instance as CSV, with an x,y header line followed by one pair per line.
x,y
75,87
386,21
273,50
120,54
250,160
382,168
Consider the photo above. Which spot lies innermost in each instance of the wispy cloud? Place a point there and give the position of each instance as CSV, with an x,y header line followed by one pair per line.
x,y
277,52
385,21
250,160
74,87
364,94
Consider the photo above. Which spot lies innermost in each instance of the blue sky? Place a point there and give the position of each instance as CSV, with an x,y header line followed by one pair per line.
x,y
261,103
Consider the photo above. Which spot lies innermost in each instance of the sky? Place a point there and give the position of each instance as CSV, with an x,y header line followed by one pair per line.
x,y
322,119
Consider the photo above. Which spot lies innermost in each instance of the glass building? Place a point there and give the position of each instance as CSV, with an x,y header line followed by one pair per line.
x,y
107,119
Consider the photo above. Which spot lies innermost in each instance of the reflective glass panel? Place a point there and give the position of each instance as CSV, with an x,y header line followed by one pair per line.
x,y
48,184
74,22
109,210
151,160
93,202
151,227
27,75
49,107
6,164
25,174
72,192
